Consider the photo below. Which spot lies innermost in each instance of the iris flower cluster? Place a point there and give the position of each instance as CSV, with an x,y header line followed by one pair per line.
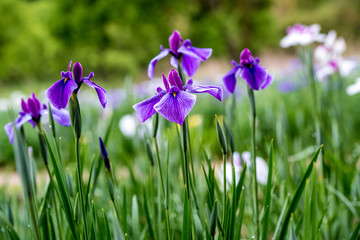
x,y
31,111
250,70
183,51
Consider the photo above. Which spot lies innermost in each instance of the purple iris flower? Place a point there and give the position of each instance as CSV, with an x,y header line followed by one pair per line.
x,y
179,49
250,70
60,92
176,101
32,110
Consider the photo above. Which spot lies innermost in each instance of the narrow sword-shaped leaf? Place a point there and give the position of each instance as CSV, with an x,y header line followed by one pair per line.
x,y
298,193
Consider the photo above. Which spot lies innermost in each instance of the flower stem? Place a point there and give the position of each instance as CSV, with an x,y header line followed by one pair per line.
x,y
163,188
184,133
224,197
78,168
253,159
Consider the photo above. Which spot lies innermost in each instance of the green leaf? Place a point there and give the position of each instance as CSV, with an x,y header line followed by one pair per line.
x,y
4,222
147,216
107,228
356,233
298,193
186,230
135,218
213,218
64,195
267,204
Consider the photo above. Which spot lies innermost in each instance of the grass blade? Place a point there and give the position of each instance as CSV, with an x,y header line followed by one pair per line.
x,y
298,193
268,194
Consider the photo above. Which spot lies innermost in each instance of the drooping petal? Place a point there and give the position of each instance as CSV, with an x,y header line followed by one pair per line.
x,y
99,90
175,80
215,91
174,62
145,109
18,123
190,65
255,76
230,80
153,62
60,92
269,80
175,41
175,106
61,116
353,88
77,71
10,132
199,53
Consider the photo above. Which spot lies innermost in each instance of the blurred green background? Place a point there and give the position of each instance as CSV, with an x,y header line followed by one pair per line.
x,y
115,38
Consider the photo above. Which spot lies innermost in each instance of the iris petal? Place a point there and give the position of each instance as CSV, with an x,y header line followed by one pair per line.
x,y
145,109
153,62
255,76
215,91
190,65
175,108
99,90
59,93
199,53
230,80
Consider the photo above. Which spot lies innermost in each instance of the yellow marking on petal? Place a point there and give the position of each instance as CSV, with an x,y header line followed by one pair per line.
x,y
250,66
66,80
174,94
188,47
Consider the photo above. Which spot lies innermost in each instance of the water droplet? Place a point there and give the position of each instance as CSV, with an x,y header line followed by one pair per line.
x,y
29,226
243,187
59,138
50,126
252,237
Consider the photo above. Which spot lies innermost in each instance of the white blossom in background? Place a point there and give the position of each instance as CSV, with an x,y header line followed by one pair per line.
x,y
262,169
329,57
128,124
303,35
354,88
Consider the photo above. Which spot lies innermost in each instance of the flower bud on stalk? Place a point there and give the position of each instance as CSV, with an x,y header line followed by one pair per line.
x,y
75,115
221,136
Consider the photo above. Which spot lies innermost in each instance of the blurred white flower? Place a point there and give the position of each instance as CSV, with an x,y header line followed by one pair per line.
x,y
301,35
329,57
127,125
354,88
262,169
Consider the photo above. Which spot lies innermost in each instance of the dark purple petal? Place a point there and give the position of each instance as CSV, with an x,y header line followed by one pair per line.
x,y
245,56
230,80
32,106
269,80
77,71
175,79
24,106
199,53
153,62
175,106
190,65
61,116
145,109
216,91
166,83
99,90
255,76
175,41
59,93
102,148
